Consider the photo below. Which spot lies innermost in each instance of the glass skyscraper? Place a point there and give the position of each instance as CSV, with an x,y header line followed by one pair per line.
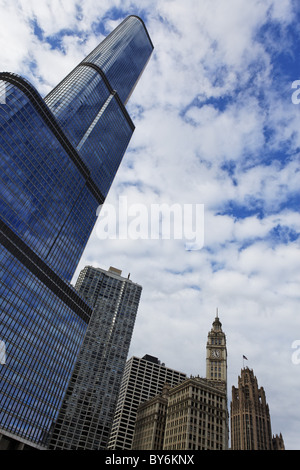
x,y
86,416
59,156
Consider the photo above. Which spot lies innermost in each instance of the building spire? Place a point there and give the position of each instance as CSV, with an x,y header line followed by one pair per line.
x,y
217,325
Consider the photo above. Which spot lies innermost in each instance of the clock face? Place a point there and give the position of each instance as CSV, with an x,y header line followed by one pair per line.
x,y
215,353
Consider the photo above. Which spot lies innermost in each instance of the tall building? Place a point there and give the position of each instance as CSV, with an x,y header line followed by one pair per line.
x,y
86,416
216,363
92,99
216,354
149,430
250,416
194,413
197,417
189,416
59,156
143,378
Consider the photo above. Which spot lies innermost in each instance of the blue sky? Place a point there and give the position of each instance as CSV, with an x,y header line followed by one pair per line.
x,y
215,125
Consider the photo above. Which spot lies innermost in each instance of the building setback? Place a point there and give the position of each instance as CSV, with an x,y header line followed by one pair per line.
x,y
59,156
143,378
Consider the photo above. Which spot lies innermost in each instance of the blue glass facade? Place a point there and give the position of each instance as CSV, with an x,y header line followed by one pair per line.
x,y
91,99
129,46
85,119
34,319
59,156
45,199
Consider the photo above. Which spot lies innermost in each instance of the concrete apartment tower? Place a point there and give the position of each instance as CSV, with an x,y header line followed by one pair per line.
x,y
86,416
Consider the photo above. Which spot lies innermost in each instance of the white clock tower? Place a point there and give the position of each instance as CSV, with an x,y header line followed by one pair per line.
x,y
216,354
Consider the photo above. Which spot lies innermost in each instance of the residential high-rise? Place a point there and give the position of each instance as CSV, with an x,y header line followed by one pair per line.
x,y
143,378
85,419
250,416
59,156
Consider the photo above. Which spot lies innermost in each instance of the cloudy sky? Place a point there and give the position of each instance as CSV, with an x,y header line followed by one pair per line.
x,y
217,125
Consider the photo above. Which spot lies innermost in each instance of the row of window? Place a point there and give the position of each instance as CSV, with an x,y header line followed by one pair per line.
x,y
44,199
98,371
123,55
42,336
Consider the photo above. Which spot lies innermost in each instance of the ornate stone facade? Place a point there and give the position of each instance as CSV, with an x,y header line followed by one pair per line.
x,y
192,415
250,416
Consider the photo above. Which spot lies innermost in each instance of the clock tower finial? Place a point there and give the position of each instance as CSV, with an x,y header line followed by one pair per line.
x,y
216,353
